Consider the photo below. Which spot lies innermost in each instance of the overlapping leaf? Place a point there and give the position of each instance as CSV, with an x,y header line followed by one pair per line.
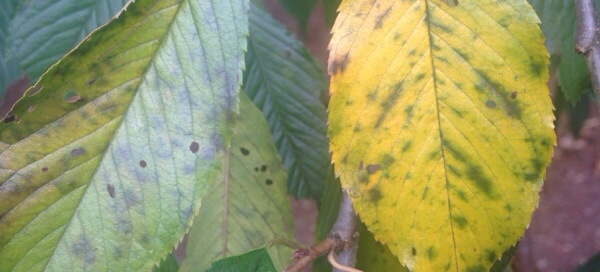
x,y
43,31
558,24
285,82
257,260
441,125
104,162
248,205
9,69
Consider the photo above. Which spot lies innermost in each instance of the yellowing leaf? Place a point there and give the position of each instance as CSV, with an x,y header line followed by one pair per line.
x,y
441,125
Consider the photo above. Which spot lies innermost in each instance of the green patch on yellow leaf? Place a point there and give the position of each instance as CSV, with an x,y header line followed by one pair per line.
x,y
441,125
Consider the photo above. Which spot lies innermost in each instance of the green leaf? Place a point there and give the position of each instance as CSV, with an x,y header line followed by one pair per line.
x,y
441,125
248,204
301,10
331,7
285,82
558,25
9,68
254,261
169,264
43,31
110,178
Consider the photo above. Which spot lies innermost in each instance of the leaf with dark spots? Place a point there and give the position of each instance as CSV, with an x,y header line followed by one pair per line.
x,y
115,120
244,200
244,151
452,96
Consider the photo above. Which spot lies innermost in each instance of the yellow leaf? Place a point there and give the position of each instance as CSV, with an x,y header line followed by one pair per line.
x,y
441,125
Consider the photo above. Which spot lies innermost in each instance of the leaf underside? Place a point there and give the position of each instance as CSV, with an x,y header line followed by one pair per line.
x,y
441,125
104,161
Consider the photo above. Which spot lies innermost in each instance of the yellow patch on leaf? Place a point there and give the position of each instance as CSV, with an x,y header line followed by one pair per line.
x,y
441,125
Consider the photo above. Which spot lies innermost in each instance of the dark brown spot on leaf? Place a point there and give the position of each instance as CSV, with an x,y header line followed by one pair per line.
x,y
111,190
77,152
143,164
263,168
513,95
360,166
194,147
338,64
244,151
44,169
269,181
91,82
10,119
373,168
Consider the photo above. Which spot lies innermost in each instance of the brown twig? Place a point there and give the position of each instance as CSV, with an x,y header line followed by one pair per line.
x,y
342,239
587,40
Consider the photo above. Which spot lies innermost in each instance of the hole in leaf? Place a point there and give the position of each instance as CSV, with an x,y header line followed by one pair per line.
x,y
71,96
143,164
269,181
194,147
111,190
77,152
244,151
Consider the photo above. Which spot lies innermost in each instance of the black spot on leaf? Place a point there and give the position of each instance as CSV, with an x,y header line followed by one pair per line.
x,y
77,152
244,151
143,164
256,169
10,119
414,251
263,168
91,82
111,190
194,147
269,181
